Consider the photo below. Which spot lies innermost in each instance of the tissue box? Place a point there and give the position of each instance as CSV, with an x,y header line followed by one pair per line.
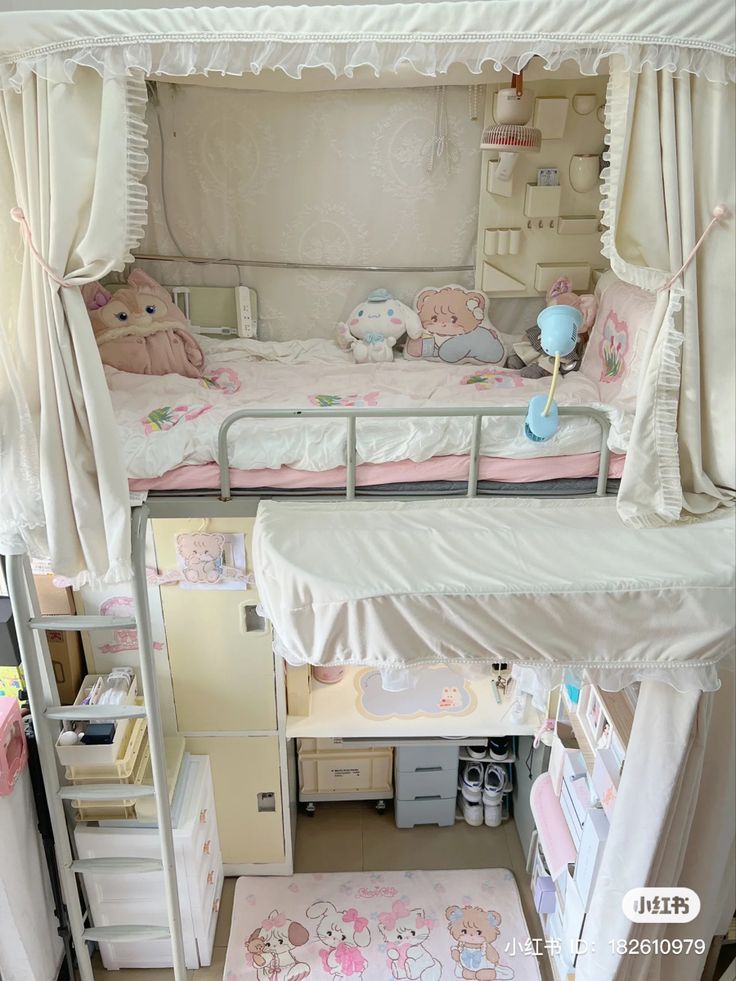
x,y
606,779
545,897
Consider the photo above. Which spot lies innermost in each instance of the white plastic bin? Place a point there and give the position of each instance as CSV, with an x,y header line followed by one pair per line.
x,y
365,773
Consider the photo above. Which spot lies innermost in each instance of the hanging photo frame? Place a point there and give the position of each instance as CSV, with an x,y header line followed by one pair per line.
x,y
211,560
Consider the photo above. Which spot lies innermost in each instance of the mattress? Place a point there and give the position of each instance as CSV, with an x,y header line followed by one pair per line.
x,y
169,424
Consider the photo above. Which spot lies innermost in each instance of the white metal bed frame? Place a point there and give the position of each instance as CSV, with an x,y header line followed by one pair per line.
x,y
48,714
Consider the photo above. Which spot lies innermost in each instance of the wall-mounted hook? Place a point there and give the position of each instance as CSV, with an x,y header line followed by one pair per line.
x,y
529,224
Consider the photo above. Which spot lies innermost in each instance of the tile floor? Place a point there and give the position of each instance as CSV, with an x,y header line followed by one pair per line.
x,y
351,836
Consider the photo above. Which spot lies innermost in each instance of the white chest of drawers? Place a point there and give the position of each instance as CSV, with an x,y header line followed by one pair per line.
x,y
137,898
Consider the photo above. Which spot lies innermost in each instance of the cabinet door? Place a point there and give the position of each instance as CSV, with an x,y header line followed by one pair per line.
x,y
222,669
242,768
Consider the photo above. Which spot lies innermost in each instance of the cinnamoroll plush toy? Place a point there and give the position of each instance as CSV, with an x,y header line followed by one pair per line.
x,y
528,354
375,325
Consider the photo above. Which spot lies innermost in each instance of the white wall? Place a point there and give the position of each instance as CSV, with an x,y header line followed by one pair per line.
x,y
323,177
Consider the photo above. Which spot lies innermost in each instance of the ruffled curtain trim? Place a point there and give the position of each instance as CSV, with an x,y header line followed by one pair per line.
x,y
137,166
609,675
341,55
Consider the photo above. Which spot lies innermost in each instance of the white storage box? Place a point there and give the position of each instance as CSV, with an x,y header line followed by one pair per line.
x,y
123,769
103,755
365,772
592,842
336,745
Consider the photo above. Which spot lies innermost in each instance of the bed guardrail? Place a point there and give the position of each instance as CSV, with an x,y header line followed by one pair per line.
x,y
476,413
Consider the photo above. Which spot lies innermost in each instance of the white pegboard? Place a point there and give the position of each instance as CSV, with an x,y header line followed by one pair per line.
x,y
503,270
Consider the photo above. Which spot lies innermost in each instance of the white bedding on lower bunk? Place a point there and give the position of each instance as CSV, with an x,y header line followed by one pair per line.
x,y
170,421
545,583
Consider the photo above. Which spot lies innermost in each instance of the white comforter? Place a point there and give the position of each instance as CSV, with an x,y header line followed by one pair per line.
x,y
169,421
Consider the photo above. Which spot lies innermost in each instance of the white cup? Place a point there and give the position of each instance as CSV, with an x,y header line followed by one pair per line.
x,y
514,241
503,241
584,172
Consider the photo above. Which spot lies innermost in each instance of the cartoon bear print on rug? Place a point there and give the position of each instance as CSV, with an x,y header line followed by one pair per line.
x,y
405,932
270,949
342,932
474,931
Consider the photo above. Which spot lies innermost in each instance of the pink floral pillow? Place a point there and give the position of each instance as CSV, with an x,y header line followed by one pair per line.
x,y
617,339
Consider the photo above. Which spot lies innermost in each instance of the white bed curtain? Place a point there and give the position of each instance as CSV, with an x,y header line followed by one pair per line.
x,y
672,828
681,454
75,153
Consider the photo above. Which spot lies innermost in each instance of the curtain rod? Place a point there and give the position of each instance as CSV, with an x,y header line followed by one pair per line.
x,y
272,264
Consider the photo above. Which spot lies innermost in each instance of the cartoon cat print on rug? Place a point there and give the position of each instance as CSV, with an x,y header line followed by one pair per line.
x,y
342,932
405,932
270,949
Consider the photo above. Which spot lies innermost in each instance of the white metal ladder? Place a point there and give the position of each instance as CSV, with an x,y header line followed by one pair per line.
x,y
43,698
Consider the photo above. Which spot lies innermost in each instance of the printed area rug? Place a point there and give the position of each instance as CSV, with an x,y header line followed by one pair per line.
x,y
379,926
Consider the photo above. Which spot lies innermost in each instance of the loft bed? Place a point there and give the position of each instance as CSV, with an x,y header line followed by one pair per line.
x,y
73,80
262,420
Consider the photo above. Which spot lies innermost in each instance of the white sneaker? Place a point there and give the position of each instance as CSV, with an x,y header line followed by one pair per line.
x,y
473,813
493,813
477,752
494,784
471,782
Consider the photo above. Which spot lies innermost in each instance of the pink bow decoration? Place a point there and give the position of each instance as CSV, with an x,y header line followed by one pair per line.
x,y
424,921
275,921
351,916
398,911
100,299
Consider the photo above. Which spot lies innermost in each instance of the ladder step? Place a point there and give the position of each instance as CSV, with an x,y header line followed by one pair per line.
x,y
109,791
88,713
125,934
115,866
82,623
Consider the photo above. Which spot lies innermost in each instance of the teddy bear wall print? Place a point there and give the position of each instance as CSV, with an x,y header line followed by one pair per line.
x,y
208,560
455,329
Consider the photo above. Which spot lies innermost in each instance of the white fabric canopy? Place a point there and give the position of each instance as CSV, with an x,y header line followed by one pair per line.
x,y
547,584
431,36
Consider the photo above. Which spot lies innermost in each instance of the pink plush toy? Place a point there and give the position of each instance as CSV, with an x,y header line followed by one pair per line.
x,y
528,354
140,329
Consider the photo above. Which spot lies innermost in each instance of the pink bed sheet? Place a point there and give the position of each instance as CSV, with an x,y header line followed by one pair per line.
x,y
206,476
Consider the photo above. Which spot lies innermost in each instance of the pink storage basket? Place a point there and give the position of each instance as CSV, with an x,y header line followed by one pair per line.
x,y
13,747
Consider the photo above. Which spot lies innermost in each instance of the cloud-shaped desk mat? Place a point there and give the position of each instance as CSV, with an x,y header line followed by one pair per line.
x,y
439,691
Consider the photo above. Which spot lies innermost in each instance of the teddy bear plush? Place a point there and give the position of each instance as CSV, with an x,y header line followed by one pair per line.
x,y
375,325
528,354
140,329
455,329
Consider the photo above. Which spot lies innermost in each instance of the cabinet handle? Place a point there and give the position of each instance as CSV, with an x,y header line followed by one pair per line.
x,y
203,816
206,847
210,877
216,906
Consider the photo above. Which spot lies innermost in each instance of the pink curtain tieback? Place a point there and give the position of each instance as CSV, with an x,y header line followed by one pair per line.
x,y
719,213
17,214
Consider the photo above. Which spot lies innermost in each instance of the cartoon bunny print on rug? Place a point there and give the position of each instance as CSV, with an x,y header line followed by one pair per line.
x,y
474,931
405,932
342,932
270,949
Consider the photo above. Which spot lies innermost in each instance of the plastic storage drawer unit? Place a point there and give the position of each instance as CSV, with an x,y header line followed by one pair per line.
x,y
426,785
